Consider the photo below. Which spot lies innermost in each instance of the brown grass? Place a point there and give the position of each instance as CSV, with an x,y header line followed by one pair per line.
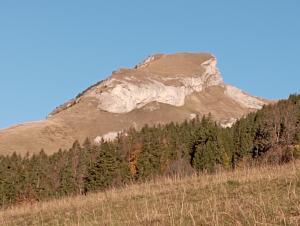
x,y
84,119
268,195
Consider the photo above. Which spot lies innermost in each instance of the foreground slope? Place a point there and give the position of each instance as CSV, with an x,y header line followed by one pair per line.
x,y
268,195
163,88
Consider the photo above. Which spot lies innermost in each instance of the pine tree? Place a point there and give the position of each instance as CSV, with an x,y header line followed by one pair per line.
x,y
208,150
243,134
101,174
148,163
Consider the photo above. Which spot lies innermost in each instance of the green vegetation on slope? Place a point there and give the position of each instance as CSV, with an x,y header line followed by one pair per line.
x,y
272,135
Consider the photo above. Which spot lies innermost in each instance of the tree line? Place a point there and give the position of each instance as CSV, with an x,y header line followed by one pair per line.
x,y
271,135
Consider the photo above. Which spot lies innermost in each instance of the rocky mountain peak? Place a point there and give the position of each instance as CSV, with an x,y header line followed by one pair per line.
x,y
161,89
163,78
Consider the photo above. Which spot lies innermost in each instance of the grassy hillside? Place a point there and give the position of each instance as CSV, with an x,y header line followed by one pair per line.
x,y
268,195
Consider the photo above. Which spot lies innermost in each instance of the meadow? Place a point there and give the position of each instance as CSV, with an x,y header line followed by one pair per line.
x,y
264,195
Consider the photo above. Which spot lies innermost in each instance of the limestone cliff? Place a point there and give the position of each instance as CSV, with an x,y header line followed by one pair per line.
x,y
130,89
161,89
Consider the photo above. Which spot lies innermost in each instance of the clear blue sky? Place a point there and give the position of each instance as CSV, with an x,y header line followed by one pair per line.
x,y
52,50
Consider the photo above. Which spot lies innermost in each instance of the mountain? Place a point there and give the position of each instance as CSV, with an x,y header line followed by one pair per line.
x,y
161,89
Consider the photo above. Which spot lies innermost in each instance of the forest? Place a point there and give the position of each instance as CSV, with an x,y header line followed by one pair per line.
x,y
268,136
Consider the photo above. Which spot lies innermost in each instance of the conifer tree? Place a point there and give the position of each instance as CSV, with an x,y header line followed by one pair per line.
x,y
148,163
208,151
101,174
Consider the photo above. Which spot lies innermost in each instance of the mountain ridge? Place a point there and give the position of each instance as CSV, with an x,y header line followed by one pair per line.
x,y
160,89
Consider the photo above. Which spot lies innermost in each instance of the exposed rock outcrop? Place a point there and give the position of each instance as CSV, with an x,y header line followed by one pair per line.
x,y
133,90
161,89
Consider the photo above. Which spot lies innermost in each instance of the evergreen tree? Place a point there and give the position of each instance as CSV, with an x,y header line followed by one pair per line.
x,y
101,174
271,133
148,163
208,151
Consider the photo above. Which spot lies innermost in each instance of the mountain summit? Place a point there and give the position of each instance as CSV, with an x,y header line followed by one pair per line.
x,y
161,89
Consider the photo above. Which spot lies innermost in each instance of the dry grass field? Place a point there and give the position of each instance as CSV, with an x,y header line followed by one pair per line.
x,y
268,195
